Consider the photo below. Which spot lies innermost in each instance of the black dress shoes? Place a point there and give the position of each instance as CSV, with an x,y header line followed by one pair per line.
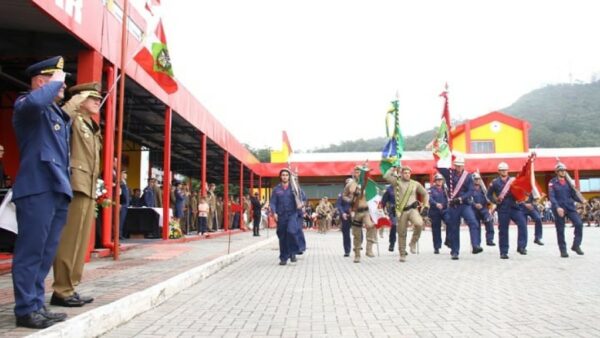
x,y
522,251
346,255
84,299
454,257
577,250
55,316
491,244
34,320
477,250
436,251
503,256
538,242
564,254
293,259
282,262
391,248
71,301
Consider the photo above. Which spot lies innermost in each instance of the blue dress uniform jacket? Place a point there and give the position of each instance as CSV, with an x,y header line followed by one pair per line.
x,y
42,130
535,217
508,209
41,192
462,209
283,204
148,197
438,195
343,207
563,196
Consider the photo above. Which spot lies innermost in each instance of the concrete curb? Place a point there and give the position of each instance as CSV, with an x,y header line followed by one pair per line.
x,y
105,318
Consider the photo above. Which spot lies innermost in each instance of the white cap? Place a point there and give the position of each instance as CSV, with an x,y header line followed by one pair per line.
x,y
502,166
459,160
438,176
560,166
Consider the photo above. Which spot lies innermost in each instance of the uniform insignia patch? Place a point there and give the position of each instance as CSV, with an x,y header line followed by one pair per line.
x,y
57,127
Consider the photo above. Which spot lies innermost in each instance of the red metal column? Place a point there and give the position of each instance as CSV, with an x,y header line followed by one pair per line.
x,y
241,198
203,155
167,173
260,187
108,155
577,178
226,191
251,191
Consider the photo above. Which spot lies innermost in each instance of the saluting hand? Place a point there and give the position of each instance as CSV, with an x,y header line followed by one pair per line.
x,y
58,75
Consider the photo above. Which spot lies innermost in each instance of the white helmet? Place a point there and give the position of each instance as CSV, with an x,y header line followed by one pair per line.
x,y
438,176
560,166
503,166
459,160
476,176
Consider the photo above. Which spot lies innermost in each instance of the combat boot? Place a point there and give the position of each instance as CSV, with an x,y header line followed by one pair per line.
x,y
402,258
356,256
413,248
370,250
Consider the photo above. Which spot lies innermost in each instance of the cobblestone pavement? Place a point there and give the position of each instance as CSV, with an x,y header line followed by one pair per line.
x,y
146,265
326,295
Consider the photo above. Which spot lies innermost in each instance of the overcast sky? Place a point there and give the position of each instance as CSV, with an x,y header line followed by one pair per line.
x,y
325,71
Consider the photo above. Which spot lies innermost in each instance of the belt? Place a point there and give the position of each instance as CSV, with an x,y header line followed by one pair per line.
x,y
362,209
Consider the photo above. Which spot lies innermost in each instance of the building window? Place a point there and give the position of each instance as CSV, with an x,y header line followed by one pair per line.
x,y
589,184
483,147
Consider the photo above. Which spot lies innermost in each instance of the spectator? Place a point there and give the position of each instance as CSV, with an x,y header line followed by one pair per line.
x,y
136,199
203,210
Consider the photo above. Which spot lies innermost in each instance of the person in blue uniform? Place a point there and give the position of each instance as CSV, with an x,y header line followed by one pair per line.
x,y
256,214
343,208
481,211
148,195
438,211
179,201
388,201
284,210
460,186
531,211
508,209
563,197
42,189
124,201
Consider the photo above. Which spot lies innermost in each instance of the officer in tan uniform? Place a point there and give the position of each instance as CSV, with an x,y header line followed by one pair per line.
x,y
86,142
212,203
360,215
323,215
405,192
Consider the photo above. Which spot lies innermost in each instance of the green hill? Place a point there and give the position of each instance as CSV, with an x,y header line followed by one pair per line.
x,y
561,116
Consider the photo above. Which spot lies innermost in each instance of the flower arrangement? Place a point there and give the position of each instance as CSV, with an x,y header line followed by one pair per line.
x,y
174,229
102,200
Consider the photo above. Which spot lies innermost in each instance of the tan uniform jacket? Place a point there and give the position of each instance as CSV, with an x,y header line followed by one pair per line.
x,y
86,143
400,187
348,194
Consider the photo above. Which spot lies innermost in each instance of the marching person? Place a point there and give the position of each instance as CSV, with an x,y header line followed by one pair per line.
x,y
481,211
323,215
460,185
438,211
285,212
354,195
563,197
388,202
42,189
406,192
499,194
86,143
343,208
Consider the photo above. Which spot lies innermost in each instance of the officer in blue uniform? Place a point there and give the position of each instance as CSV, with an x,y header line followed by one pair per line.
x,y
343,208
531,211
285,212
388,200
42,189
481,210
508,209
438,211
459,206
148,195
563,197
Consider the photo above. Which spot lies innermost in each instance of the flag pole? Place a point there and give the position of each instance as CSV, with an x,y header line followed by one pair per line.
x,y
117,209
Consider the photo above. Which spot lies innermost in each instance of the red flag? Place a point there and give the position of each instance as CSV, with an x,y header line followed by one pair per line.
x,y
524,184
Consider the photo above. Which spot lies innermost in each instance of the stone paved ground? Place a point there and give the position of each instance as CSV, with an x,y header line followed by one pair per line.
x,y
326,295
146,265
